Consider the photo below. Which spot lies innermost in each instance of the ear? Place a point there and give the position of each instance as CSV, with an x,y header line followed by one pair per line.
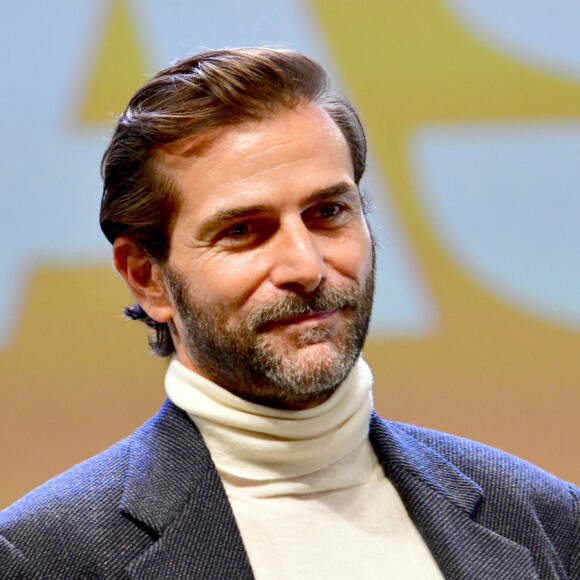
x,y
144,278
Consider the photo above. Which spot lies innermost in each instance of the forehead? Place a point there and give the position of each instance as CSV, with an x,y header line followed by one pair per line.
x,y
265,161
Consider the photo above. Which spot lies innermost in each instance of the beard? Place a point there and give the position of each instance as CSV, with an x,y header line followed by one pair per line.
x,y
241,355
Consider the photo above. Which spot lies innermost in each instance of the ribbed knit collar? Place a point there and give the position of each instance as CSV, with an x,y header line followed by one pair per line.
x,y
255,442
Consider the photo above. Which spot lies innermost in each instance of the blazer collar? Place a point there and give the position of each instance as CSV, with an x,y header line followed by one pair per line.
x,y
174,492
442,502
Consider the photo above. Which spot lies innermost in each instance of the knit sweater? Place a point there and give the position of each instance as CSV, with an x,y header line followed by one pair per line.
x,y
308,493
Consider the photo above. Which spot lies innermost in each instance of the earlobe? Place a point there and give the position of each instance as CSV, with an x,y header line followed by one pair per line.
x,y
143,277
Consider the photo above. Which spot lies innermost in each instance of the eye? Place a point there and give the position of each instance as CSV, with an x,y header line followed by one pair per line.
x,y
326,215
237,230
245,234
329,210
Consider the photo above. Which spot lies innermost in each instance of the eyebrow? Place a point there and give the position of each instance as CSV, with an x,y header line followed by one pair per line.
x,y
337,190
216,221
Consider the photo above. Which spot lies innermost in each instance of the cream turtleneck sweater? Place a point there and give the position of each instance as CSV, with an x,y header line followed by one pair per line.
x,y
309,495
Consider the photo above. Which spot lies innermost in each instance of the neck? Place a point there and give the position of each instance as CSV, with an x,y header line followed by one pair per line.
x,y
251,440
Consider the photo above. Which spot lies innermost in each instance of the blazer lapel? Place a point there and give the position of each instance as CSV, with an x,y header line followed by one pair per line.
x,y
442,502
174,492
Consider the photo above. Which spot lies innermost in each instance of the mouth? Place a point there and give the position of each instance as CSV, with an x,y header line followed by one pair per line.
x,y
301,320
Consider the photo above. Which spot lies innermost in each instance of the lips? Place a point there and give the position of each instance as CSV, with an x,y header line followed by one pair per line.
x,y
305,318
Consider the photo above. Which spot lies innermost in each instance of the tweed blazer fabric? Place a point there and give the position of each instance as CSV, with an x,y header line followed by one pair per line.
x,y
153,507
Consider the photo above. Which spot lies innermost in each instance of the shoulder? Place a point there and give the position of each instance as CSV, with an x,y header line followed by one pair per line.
x,y
80,523
97,484
72,513
488,466
76,522
94,483
517,498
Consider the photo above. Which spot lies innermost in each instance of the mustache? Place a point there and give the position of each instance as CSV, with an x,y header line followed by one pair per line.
x,y
322,300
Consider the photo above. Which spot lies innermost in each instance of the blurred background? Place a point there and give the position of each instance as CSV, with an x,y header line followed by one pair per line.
x,y
473,116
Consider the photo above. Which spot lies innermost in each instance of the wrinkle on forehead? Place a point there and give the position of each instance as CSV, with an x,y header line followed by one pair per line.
x,y
174,153
253,140
197,145
267,149
270,169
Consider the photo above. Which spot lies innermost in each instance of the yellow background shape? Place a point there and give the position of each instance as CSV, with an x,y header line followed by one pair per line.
x,y
77,377
489,370
118,70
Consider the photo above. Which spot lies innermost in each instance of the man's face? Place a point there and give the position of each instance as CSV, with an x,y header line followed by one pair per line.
x,y
270,271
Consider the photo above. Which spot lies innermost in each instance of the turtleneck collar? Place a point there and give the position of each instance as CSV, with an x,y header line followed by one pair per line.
x,y
255,442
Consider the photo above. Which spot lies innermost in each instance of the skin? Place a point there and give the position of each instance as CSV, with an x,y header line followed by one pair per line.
x,y
269,210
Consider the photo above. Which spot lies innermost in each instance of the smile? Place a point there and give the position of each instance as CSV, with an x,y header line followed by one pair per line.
x,y
306,319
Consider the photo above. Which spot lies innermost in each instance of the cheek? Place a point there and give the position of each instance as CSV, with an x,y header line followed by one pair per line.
x,y
230,280
352,257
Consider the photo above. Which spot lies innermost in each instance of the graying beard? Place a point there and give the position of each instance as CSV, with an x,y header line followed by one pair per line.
x,y
256,371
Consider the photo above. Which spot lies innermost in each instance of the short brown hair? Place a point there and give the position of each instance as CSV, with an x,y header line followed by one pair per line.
x,y
196,96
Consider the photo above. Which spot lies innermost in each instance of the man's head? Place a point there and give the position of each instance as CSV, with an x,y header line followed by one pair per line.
x,y
231,197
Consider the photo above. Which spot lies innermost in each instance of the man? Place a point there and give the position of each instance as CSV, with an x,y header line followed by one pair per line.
x,y
231,198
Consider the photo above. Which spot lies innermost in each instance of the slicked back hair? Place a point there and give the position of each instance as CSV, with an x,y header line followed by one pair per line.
x,y
197,97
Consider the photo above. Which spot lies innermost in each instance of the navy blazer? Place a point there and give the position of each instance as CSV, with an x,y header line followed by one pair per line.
x,y
153,506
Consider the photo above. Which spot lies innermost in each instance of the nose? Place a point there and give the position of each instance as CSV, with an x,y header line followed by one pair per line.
x,y
298,260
